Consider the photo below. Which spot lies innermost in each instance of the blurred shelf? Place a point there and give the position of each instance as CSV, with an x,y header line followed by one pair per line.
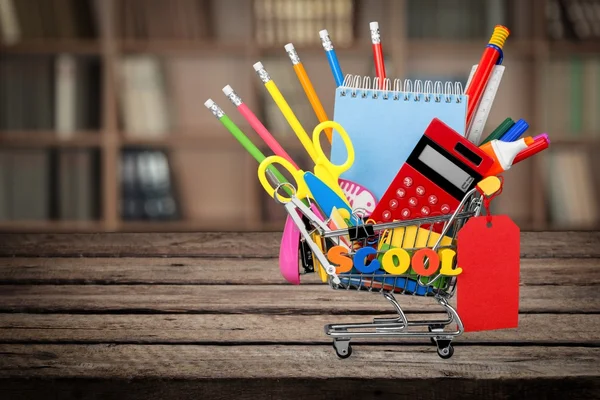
x,y
183,226
575,141
570,48
52,226
201,141
53,46
49,139
272,226
520,48
184,47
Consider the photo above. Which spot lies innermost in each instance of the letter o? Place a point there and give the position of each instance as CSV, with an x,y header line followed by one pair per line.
x,y
396,268
418,262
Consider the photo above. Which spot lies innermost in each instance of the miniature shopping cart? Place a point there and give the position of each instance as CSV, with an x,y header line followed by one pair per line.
x,y
436,233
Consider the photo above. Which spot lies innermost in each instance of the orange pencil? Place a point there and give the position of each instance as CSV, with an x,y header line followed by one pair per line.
x,y
307,85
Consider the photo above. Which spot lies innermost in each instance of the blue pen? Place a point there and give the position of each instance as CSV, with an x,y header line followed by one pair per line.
x,y
515,131
334,64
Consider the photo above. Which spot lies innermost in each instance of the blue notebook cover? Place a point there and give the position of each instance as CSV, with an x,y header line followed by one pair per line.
x,y
385,126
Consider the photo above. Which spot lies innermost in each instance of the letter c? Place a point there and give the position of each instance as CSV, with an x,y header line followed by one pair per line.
x,y
359,260
389,261
336,256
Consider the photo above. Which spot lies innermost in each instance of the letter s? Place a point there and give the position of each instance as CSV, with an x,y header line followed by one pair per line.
x,y
336,256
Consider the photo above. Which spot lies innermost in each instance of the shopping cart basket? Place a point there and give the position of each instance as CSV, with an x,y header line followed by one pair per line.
x,y
436,233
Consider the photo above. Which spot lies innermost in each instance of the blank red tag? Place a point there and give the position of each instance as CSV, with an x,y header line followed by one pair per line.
x,y
488,287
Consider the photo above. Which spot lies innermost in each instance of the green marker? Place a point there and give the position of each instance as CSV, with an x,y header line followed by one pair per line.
x,y
242,138
500,130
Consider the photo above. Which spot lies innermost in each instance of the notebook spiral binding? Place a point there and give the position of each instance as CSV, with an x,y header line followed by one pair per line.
x,y
355,85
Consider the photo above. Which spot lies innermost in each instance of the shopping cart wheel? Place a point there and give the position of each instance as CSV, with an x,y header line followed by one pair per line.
x,y
342,348
435,328
445,349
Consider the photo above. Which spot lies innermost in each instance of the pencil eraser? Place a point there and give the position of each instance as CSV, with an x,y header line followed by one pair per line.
x,y
323,33
209,103
227,90
288,47
258,66
373,25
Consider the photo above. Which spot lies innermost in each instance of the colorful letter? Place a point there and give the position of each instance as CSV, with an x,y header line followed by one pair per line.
x,y
359,260
418,262
447,261
391,266
337,257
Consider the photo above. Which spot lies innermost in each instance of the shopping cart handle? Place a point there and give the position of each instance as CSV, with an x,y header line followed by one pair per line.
x,y
489,185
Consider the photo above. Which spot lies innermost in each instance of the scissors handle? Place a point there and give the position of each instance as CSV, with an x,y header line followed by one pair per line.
x,y
322,157
298,175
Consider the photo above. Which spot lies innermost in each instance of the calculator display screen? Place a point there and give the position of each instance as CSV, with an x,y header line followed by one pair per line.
x,y
446,168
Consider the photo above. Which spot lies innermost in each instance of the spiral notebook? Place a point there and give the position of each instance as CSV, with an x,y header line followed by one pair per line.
x,y
385,125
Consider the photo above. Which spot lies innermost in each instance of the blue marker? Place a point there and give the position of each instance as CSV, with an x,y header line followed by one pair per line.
x,y
515,131
334,64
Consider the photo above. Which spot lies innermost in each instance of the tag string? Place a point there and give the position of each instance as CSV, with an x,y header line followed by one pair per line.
x,y
488,199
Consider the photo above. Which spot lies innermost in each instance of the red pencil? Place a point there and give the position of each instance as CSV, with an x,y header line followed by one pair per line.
x,y
490,56
377,52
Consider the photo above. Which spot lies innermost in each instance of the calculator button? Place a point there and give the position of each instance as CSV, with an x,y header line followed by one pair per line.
x,y
393,204
407,181
425,210
405,213
420,190
445,208
413,201
386,215
432,199
400,193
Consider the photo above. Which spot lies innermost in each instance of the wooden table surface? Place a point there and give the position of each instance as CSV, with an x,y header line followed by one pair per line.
x,y
207,315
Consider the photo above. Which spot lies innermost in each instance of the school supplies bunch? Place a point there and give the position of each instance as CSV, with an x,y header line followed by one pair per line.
x,y
396,207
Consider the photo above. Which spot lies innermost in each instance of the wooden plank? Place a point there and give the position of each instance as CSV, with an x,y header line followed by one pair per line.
x,y
246,271
546,329
450,387
306,300
293,361
141,244
241,244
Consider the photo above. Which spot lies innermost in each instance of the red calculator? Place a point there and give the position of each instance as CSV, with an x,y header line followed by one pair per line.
x,y
441,169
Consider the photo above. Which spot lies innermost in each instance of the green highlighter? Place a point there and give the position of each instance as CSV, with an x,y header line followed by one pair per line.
x,y
244,141
499,131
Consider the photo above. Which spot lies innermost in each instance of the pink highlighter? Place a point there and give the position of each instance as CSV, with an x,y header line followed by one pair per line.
x,y
290,241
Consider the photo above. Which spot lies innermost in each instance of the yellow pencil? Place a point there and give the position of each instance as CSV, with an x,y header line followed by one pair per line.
x,y
308,87
286,110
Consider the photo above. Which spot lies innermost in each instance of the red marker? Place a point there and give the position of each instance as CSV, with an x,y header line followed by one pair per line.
x,y
489,58
539,144
377,52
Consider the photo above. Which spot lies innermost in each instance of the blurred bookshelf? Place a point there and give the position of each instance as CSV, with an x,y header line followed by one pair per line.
x,y
103,128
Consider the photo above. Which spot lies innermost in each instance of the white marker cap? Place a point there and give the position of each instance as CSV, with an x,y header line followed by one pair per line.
x,y
209,103
323,33
373,25
227,90
258,66
288,47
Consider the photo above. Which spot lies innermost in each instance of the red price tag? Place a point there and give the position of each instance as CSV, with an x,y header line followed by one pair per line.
x,y
488,287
